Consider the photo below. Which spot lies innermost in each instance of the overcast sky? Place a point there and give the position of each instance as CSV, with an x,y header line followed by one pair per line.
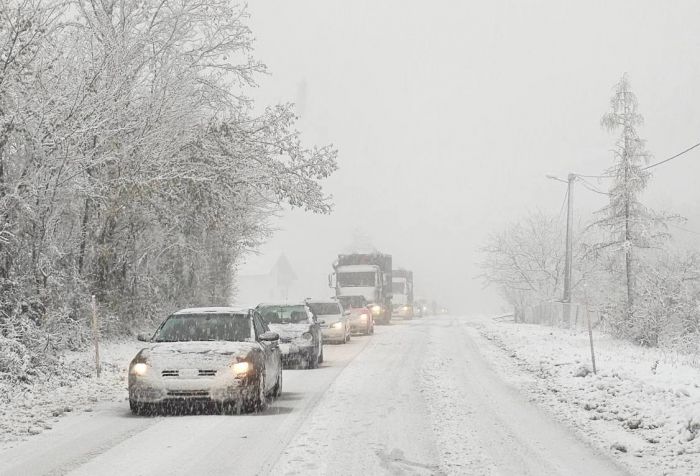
x,y
448,115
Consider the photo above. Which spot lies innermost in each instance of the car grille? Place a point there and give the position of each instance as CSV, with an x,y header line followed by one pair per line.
x,y
200,373
188,393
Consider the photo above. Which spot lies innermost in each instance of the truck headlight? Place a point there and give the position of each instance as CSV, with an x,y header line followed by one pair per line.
x,y
240,369
336,325
376,309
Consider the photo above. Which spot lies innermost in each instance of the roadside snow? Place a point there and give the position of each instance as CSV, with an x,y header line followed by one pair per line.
x,y
643,405
28,409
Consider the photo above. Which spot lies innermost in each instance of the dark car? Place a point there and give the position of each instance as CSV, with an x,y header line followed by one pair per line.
x,y
301,342
223,356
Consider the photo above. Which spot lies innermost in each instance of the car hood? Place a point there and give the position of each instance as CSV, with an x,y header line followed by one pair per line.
x,y
329,318
195,354
289,331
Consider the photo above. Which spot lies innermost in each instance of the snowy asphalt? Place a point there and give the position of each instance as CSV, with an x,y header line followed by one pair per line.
x,y
418,397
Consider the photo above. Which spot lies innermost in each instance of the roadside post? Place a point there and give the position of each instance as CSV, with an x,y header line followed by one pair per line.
x,y
96,335
590,328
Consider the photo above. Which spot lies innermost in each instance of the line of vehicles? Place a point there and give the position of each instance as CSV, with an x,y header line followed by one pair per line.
x,y
232,358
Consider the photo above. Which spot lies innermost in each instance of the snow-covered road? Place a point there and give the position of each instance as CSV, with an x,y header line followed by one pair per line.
x,y
418,397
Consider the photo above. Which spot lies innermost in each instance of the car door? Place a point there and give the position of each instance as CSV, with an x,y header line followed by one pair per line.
x,y
315,330
272,353
344,318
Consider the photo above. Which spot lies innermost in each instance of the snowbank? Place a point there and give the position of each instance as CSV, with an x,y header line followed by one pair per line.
x,y
643,405
31,408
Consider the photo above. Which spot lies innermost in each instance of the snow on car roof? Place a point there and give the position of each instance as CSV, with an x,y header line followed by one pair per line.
x,y
322,301
268,304
215,310
359,268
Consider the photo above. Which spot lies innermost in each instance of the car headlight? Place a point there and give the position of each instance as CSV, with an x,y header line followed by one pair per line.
x,y
336,325
241,369
376,309
307,336
139,369
364,317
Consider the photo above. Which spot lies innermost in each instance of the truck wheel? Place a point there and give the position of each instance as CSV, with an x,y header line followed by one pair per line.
x,y
320,356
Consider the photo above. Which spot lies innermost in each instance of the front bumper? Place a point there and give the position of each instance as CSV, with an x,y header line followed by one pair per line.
x,y
293,352
403,311
330,333
222,388
358,325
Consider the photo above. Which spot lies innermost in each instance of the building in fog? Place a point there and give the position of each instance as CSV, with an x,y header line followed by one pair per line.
x,y
264,278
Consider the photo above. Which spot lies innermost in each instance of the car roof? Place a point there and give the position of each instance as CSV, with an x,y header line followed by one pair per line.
x,y
279,304
322,301
214,310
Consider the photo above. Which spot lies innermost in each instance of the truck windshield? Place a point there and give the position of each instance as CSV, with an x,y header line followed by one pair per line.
x,y
398,287
364,279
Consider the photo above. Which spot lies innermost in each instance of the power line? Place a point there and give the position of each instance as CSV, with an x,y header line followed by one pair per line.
x,y
648,166
671,158
591,187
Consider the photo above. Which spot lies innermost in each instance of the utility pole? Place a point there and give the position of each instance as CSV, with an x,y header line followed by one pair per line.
x,y
568,258
569,239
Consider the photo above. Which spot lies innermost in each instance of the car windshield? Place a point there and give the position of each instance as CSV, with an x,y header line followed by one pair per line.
x,y
204,327
350,302
324,308
362,279
284,314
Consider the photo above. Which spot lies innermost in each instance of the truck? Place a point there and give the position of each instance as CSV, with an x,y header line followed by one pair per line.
x,y
368,275
402,293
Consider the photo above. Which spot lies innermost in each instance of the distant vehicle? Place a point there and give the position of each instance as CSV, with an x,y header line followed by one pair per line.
x,y
301,341
361,319
367,275
223,356
402,293
420,307
334,322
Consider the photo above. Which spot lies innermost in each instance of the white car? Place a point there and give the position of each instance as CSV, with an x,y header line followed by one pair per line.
x,y
334,321
219,355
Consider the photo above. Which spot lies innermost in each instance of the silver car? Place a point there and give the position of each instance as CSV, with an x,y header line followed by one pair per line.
x,y
301,342
223,356
334,321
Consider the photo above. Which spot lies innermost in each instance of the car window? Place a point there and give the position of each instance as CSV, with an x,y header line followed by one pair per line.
x,y
204,327
325,308
258,324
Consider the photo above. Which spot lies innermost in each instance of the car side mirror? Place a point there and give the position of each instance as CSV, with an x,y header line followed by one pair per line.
x,y
269,336
143,337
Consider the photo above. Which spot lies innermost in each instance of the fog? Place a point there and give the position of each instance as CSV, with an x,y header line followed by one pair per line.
x,y
448,116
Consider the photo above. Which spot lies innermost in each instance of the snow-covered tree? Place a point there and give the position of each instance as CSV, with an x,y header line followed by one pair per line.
x,y
629,226
132,164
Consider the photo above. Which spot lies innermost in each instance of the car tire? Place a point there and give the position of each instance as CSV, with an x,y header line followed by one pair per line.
x,y
320,356
277,390
312,361
257,400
